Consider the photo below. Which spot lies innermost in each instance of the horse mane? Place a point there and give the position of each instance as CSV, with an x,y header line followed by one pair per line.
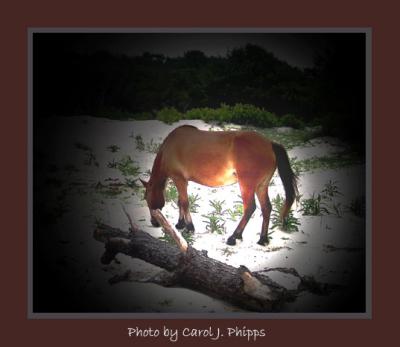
x,y
156,169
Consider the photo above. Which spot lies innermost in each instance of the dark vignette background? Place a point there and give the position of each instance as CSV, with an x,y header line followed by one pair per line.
x,y
317,79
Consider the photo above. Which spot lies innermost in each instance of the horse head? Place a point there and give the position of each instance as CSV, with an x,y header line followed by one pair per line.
x,y
154,196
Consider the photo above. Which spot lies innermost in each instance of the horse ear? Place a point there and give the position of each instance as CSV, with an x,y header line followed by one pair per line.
x,y
145,184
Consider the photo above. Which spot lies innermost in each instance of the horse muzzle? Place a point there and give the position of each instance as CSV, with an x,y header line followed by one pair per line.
x,y
154,221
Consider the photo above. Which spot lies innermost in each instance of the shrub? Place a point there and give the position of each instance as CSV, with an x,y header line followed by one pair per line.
x,y
314,206
331,190
290,223
139,142
221,114
193,205
171,194
214,223
236,212
168,115
127,166
251,115
152,146
217,206
243,114
323,203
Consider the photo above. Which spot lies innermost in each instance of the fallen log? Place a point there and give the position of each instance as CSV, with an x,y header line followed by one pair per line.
x,y
187,267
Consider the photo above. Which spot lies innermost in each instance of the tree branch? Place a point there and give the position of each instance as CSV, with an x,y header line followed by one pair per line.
x,y
189,268
180,241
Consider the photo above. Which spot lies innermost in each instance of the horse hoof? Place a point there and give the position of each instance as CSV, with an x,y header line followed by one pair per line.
x,y
180,225
190,227
231,241
154,223
263,242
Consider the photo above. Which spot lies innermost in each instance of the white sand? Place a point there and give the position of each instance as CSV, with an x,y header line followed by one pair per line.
x,y
307,250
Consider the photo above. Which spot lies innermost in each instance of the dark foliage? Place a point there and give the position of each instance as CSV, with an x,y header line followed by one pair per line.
x,y
117,86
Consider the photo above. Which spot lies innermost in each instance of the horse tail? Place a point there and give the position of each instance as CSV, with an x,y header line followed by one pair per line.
x,y
288,177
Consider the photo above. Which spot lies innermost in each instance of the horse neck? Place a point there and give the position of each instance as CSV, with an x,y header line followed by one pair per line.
x,y
158,177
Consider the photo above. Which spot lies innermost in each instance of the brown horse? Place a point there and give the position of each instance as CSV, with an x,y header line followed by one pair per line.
x,y
217,159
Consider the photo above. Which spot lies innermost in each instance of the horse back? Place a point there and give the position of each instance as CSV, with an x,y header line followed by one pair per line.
x,y
214,158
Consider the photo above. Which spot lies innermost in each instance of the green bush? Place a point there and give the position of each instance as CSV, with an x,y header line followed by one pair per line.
x,y
243,114
171,194
314,206
168,115
127,166
193,205
290,223
251,115
214,223
221,114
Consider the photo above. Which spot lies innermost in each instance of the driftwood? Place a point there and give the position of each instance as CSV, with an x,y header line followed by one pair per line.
x,y
187,267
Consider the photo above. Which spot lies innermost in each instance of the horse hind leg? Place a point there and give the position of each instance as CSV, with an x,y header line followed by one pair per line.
x,y
266,207
249,206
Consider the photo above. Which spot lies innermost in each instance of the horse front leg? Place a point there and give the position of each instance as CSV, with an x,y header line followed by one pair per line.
x,y
185,219
181,221
249,206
